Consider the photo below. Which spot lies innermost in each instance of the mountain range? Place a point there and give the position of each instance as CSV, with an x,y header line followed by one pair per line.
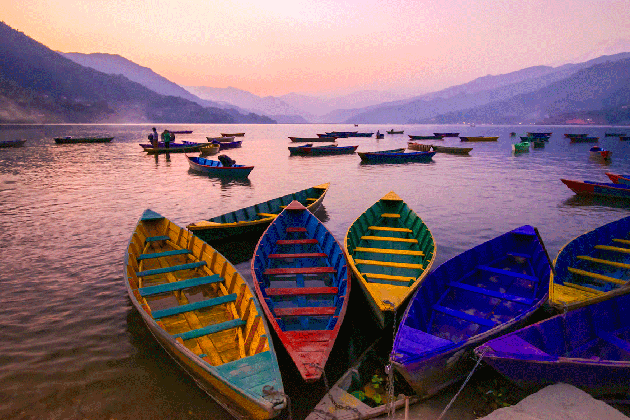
x,y
41,85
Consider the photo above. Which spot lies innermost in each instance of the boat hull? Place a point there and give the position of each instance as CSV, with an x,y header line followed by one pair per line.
x,y
446,134
322,150
598,188
480,294
480,138
394,157
325,139
452,150
173,148
70,140
11,143
215,168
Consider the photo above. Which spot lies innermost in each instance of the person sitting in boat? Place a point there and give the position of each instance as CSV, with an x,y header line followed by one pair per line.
x,y
378,133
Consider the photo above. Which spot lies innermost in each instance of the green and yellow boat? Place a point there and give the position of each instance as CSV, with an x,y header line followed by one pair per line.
x,y
389,250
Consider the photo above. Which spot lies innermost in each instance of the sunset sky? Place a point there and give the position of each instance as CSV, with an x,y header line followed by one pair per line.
x,y
324,47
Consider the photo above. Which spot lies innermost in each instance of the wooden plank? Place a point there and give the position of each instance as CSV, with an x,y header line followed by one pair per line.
x,y
389,264
492,293
390,229
312,199
299,255
611,339
163,254
589,290
621,241
464,315
188,266
210,329
389,251
613,248
297,291
157,238
221,300
299,270
179,285
389,279
507,273
305,311
389,239
296,241
391,215
596,276
601,261
296,229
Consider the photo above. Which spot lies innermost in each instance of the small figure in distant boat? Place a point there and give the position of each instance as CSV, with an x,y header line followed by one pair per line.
x,y
166,138
378,133
155,138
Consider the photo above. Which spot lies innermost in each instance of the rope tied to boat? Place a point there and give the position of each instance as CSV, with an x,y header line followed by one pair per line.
x,y
337,405
276,397
483,352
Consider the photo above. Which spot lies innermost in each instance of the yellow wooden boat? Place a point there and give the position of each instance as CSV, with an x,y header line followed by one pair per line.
x,y
390,250
592,267
203,313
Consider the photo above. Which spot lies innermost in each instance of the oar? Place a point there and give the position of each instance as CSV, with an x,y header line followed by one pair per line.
x,y
546,253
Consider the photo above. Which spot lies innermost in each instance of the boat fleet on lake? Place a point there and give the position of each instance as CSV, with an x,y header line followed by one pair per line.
x,y
219,328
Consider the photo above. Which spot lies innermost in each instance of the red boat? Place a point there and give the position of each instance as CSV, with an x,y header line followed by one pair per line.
x,y
618,179
598,188
600,154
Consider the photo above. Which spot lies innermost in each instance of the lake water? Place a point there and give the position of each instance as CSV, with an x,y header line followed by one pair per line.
x,y
71,344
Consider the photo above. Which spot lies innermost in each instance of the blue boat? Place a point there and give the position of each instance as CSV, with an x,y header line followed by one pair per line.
x,y
602,189
588,348
228,144
480,294
302,280
216,168
396,157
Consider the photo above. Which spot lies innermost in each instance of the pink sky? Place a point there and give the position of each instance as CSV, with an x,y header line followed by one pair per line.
x,y
322,46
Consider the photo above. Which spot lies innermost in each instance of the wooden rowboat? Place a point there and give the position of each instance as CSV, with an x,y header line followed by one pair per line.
x,y
418,146
203,313
478,295
233,134
592,266
309,150
451,150
392,131
302,281
597,153
223,145
73,140
479,138
325,139
536,134
390,250
220,139
618,179
215,168
11,143
250,222
209,149
584,139
395,157
446,134
602,189
361,393
182,132
520,147
425,137
173,147
586,347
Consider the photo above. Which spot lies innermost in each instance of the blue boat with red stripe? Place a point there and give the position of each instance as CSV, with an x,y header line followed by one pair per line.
x,y
301,278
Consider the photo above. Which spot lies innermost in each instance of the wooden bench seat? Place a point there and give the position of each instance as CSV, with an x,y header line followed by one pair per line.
x,y
305,311
465,316
491,293
171,269
391,215
389,279
622,241
299,270
297,291
296,241
390,229
299,255
613,248
296,229
163,254
179,285
157,238
265,215
194,306
596,276
615,341
210,329
507,273
389,251
606,262
389,264
389,239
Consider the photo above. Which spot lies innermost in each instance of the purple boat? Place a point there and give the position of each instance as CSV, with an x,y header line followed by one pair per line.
x,y
173,147
228,144
478,295
588,347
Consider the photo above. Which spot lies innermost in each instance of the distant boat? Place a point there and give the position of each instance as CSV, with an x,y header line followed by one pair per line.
x,y
228,144
173,147
618,179
72,140
479,138
392,131
233,134
220,139
534,134
520,147
216,168
341,134
12,143
380,135
538,143
452,150
603,189
614,134
599,153
434,137
312,139
624,138
570,135
418,146
584,139
182,132
395,157
209,149
446,134
309,150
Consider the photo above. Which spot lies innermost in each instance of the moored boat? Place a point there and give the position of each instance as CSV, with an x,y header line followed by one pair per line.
x,y
220,139
73,140
592,266
598,153
392,131
309,150
301,278
250,222
341,134
323,139
536,134
216,168
418,146
446,134
209,149
173,147
478,138
624,138
572,135
182,132
11,143
233,134
452,149
434,137
614,134
618,179
480,294
602,189
390,250
586,139
395,157
205,316
520,147
223,145
538,143
587,347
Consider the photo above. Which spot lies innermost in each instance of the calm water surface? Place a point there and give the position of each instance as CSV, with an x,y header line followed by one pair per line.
x,y
72,345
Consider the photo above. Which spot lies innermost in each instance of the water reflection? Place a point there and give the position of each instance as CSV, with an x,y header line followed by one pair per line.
x,y
596,200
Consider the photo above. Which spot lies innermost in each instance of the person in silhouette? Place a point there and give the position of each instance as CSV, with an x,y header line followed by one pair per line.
x,y
166,138
155,138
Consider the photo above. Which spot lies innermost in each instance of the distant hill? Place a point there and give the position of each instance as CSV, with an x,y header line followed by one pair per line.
x,y
40,85
601,91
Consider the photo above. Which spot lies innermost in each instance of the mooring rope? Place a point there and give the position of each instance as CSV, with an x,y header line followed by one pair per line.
x,y
483,352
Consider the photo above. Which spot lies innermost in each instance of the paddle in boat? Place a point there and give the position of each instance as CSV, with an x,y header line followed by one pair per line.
x,y
479,138
233,134
309,150
183,147
588,348
302,281
204,314
250,222
73,140
390,250
395,157
603,189
480,294
222,168
11,143
592,266
597,153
